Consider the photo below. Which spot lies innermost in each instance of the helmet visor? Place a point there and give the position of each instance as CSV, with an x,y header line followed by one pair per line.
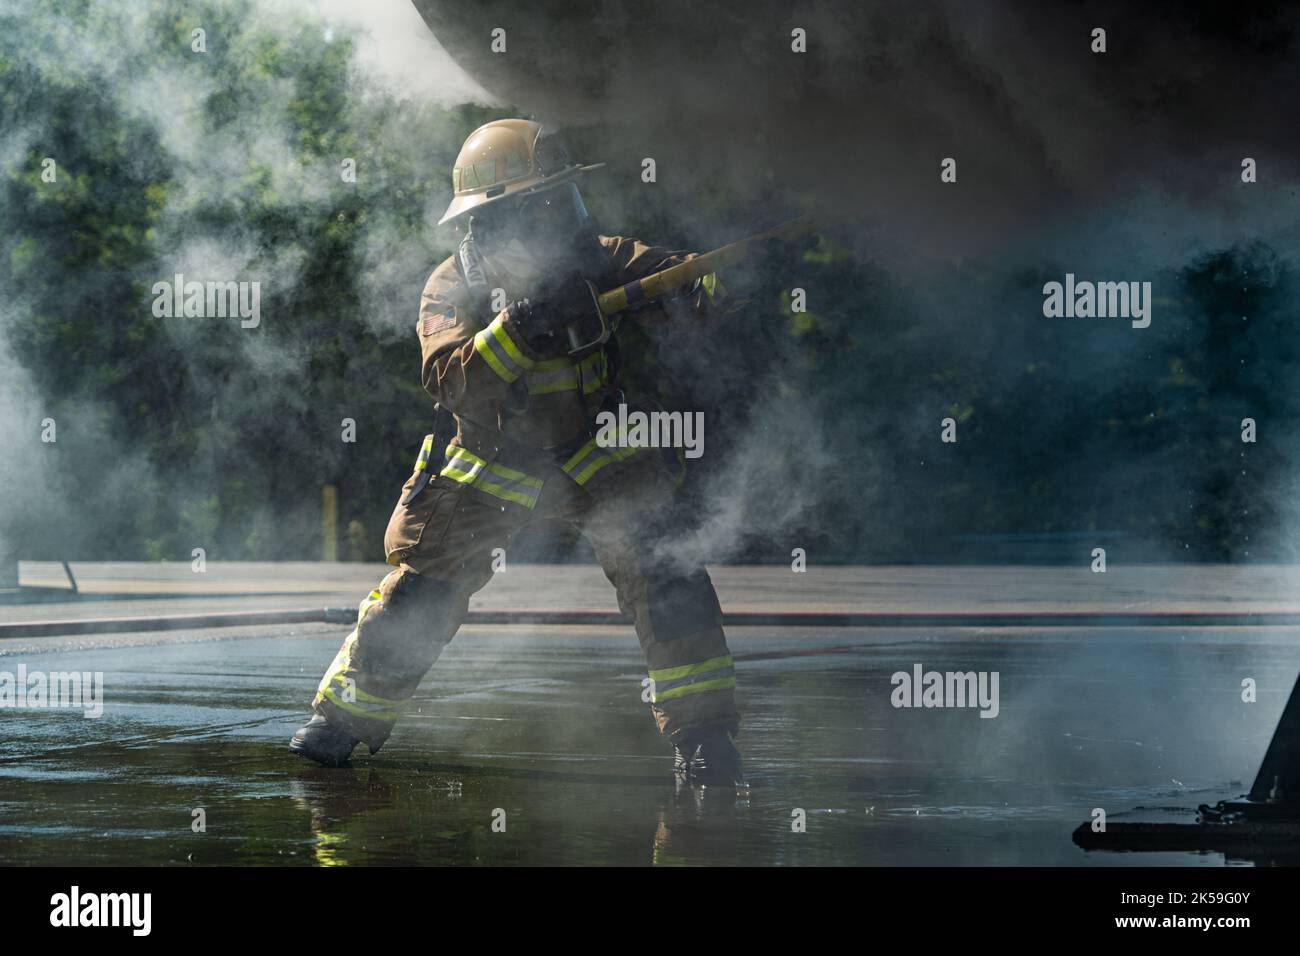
x,y
553,216
542,221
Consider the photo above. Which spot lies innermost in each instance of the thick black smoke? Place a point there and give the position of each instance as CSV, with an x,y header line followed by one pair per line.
x,y
1041,126
1123,165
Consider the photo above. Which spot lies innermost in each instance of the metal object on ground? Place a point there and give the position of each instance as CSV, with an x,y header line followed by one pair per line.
x,y
1264,842
1278,780
1267,819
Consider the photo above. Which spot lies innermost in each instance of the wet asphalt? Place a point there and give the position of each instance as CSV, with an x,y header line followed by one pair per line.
x,y
532,746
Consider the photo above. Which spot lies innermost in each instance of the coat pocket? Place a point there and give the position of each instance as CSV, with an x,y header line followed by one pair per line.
x,y
417,504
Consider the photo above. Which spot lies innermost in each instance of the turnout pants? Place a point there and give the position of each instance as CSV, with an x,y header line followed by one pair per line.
x,y
442,542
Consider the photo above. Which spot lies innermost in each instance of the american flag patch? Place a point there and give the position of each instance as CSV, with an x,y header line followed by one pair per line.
x,y
436,323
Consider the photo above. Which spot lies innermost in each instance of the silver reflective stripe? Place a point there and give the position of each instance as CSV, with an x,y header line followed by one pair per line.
x,y
590,458
562,375
569,376
462,467
422,462
578,467
500,352
499,481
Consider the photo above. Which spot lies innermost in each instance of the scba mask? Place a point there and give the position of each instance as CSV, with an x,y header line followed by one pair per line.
x,y
528,234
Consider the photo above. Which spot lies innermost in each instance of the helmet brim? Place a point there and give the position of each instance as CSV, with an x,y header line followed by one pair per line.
x,y
462,204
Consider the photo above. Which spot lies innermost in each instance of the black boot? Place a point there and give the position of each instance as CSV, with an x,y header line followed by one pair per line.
x,y
709,757
323,742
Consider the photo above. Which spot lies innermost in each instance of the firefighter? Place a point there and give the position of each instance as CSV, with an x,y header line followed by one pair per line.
x,y
520,402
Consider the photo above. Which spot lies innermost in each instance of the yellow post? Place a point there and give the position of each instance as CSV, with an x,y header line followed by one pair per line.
x,y
329,517
8,566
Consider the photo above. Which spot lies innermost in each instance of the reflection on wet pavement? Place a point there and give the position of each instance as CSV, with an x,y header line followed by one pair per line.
x,y
543,734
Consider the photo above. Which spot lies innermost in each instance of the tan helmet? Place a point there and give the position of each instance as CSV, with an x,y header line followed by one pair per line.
x,y
508,157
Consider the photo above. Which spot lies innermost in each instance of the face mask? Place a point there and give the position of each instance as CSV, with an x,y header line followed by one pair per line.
x,y
515,259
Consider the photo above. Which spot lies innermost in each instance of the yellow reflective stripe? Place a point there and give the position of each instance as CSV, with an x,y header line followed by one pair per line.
x,y
365,698
717,673
501,335
362,696
590,458
552,364
512,475
609,458
376,713
542,381
722,683
456,453
340,663
366,705
562,375
426,449
519,488
686,670
551,375
483,349
500,352
713,285
455,473
456,469
366,604
578,455
519,498
602,457
548,388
